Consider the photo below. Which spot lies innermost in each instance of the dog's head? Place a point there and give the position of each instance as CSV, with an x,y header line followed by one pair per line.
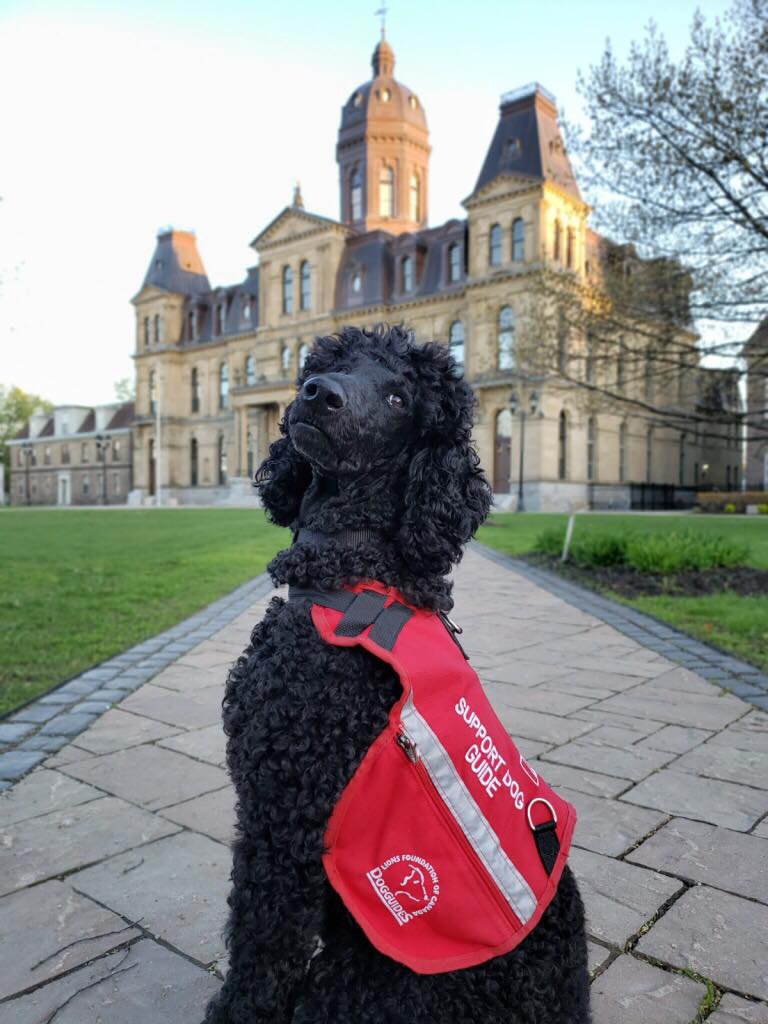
x,y
374,403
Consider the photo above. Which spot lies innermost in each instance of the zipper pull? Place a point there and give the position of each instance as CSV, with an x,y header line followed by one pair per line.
x,y
408,747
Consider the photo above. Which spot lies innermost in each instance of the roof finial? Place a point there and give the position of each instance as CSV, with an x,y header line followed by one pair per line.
x,y
297,198
382,13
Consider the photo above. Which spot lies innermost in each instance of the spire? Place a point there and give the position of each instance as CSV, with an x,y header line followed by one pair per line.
x,y
298,201
383,59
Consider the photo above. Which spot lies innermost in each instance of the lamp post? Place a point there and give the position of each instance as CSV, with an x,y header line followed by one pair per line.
x,y
103,442
516,404
28,450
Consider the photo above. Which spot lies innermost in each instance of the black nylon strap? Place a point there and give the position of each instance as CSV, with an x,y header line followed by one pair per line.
x,y
338,599
387,626
349,538
361,609
361,613
547,843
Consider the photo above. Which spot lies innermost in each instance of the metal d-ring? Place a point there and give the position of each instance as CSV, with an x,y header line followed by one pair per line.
x,y
540,800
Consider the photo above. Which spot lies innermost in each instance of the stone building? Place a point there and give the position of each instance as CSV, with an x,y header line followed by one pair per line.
x,y
756,357
75,455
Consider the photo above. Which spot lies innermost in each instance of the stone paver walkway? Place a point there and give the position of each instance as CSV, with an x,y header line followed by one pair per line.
x,y
114,861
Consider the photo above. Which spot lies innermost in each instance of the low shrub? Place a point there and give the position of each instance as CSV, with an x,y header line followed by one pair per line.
x,y
762,510
601,550
730,508
550,542
716,501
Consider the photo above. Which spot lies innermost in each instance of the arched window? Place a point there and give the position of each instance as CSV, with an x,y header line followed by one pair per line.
x,y
146,332
570,248
649,455
303,353
194,383
250,371
223,386
158,329
454,262
505,351
591,448
557,245
287,290
518,240
222,461
387,192
562,446
494,245
407,266
305,299
356,195
414,198
621,365
622,453
562,343
193,463
456,342
152,392
286,359
589,359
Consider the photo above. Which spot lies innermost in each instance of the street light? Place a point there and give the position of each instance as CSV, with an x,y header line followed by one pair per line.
x,y
515,406
103,441
28,450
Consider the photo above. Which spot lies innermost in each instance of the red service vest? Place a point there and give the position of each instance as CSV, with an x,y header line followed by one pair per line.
x,y
446,845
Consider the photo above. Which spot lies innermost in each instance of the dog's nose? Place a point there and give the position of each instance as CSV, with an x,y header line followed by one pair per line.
x,y
325,392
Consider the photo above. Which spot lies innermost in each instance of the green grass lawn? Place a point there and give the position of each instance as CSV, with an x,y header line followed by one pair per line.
x,y
733,623
78,586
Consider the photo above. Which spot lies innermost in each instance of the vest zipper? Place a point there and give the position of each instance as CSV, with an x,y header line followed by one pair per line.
x,y
411,751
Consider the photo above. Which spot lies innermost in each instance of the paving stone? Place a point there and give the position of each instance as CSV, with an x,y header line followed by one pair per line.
x,y
48,744
631,991
619,897
41,792
591,783
149,776
761,829
677,739
177,886
64,840
213,814
596,713
15,763
184,710
36,713
609,826
538,726
688,796
206,744
79,686
69,753
67,724
626,764
717,761
118,729
58,696
706,853
144,983
666,706
61,930
720,936
111,695
596,956
735,1010
92,707
186,679
551,702
749,733
613,736
12,732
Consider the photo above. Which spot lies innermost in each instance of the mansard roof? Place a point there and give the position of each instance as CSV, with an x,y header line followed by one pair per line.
x,y
527,142
176,265
235,298
121,419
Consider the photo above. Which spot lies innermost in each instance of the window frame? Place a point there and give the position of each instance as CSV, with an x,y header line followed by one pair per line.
x,y
286,279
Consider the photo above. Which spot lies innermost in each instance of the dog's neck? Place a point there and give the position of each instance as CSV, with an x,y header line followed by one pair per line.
x,y
335,514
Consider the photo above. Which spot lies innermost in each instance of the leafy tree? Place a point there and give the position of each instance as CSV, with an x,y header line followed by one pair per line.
x,y
125,389
16,406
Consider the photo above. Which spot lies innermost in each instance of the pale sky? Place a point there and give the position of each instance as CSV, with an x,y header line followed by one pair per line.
x,y
118,119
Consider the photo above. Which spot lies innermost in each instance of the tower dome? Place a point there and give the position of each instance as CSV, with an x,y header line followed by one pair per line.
x,y
383,152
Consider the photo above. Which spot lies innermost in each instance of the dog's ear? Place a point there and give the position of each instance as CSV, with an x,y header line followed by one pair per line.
x,y
282,478
447,495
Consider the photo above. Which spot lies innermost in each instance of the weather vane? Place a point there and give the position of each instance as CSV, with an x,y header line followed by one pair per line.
x,y
382,13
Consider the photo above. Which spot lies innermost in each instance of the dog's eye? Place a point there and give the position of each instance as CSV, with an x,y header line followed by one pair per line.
x,y
396,401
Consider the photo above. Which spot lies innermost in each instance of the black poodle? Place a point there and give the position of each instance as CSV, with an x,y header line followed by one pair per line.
x,y
375,466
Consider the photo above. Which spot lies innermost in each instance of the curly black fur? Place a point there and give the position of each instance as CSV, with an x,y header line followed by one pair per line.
x,y
393,455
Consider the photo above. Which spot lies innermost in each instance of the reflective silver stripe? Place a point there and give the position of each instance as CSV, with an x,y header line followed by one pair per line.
x,y
467,814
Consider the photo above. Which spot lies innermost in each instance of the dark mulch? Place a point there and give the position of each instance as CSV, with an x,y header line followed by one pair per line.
x,y
744,581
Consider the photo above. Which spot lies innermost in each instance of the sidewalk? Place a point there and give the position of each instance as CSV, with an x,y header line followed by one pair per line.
x,y
113,852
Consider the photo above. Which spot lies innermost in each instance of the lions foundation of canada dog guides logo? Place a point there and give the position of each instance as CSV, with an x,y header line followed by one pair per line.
x,y
407,885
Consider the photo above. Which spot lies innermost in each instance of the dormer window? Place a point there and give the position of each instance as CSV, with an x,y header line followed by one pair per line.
x,y
494,245
454,262
247,310
408,274
357,282
387,192
357,99
385,95
356,194
413,103
192,325
220,318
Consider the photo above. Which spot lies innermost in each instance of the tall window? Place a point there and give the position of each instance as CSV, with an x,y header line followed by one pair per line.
x,y
192,325
250,371
649,455
505,352
64,454
286,359
115,451
621,365
356,195
414,198
47,457
557,243
518,240
305,299
222,460
622,453
562,446
83,453
195,388
454,262
589,362
456,342
287,290
387,192
562,343
193,462
303,353
158,328
681,461
245,310
219,318
494,245
570,248
152,392
146,332
591,447
408,274
223,386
